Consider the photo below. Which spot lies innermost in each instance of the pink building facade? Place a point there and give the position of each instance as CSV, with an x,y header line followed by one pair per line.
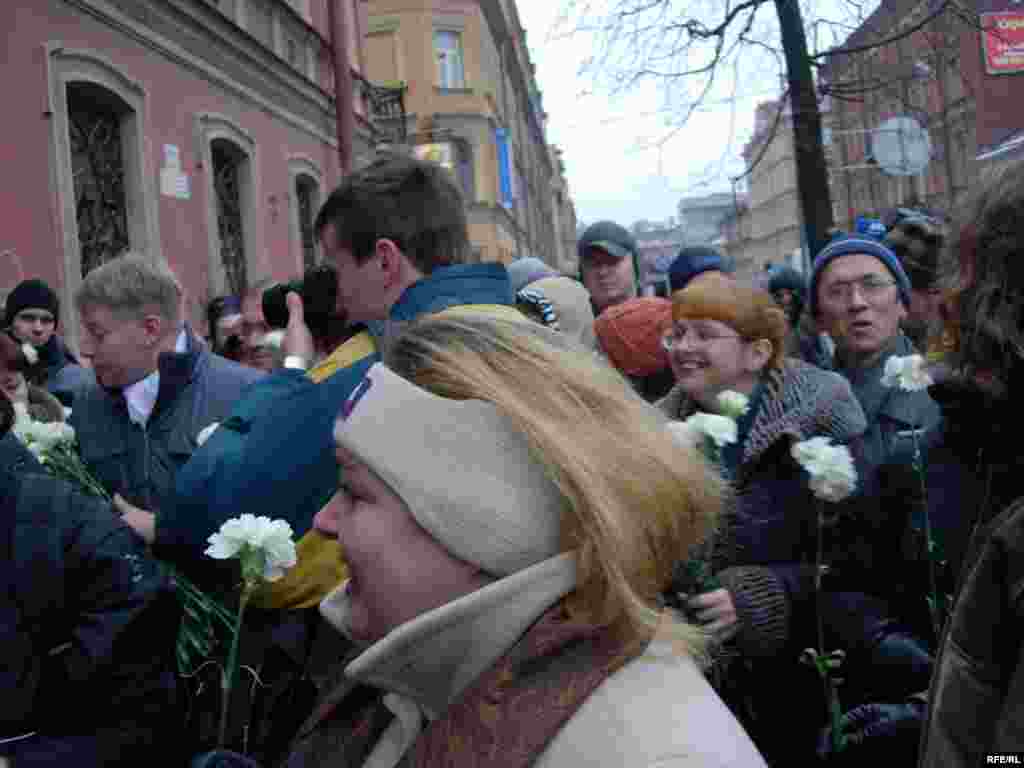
x,y
201,132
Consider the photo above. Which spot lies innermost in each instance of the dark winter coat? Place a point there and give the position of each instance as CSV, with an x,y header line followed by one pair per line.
x,y
87,624
15,457
196,389
765,552
893,415
65,377
976,701
765,558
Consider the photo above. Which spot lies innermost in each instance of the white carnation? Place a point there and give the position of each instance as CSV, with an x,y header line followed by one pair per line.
x,y
249,537
908,373
732,404
833,475
40,437
719,429
685,433
30,353
205,432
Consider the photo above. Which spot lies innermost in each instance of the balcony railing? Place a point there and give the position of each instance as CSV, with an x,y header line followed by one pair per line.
x,y
386,107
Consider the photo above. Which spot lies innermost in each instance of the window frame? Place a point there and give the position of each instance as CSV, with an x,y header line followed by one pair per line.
x,y
300,166
441,68
71,65
210,127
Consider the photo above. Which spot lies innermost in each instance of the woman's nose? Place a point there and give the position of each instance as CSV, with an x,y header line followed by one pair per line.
x,y
326,520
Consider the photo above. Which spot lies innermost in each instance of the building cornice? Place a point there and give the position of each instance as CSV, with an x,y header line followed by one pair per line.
x,y
210,30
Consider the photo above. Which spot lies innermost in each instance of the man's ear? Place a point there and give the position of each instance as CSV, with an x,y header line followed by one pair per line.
x,y
153,326
391,260
759,352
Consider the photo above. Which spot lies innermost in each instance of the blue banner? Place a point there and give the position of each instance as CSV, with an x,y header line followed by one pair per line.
x,y
504,166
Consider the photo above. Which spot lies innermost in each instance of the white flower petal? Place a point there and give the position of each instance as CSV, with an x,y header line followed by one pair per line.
x,y
31,353
205,432
732,404
909,373
271,540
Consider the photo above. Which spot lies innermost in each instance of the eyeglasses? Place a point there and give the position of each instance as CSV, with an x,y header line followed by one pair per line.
x,y
702,337
872,287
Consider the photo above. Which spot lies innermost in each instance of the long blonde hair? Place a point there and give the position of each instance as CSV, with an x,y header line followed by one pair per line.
x,y
636,500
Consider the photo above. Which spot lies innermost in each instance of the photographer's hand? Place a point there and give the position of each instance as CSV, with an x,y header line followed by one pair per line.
x,y
298,341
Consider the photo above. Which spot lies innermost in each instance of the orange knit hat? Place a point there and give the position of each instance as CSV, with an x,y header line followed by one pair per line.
x,y
630,334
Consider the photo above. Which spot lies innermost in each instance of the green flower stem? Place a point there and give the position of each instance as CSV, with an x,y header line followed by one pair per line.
x,y
935,607
821,662
228,676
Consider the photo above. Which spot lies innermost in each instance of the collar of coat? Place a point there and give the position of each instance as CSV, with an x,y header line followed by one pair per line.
x,y
799,401
431,659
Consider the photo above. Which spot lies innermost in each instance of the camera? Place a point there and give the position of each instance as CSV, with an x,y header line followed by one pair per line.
x,y
318,289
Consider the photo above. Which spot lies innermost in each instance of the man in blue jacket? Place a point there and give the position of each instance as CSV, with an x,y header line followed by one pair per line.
x,y
396,233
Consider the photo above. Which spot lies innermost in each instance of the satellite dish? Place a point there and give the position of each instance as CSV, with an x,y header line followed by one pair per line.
x,y
901,146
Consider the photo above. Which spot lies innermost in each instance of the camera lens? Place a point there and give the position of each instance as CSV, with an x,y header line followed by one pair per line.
x,y
275,310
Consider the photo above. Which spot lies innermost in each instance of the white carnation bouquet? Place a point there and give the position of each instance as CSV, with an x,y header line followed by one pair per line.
x,y
56,446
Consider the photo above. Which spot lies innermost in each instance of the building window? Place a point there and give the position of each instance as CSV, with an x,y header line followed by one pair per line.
x,y
305,181
448,52
231,190
97,167
104,182
228,160
305,198
456,158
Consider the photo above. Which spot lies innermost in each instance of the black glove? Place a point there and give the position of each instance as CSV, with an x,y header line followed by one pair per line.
x,y
886,733
223,758
899,664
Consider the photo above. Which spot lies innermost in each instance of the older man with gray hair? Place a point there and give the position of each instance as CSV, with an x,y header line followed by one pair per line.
x,y
157,385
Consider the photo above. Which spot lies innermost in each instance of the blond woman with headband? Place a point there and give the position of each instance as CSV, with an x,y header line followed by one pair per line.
x,y
510,514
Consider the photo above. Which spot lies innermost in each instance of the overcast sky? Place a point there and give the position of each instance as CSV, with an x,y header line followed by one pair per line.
x,y
622,161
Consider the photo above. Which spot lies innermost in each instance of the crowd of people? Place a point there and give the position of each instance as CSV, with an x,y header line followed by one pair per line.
x,y
509,549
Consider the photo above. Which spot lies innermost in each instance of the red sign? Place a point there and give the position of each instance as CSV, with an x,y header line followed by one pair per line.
x,y
1003,38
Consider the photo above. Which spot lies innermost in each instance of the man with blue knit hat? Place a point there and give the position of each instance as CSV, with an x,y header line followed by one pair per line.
x,y
609,265
859,294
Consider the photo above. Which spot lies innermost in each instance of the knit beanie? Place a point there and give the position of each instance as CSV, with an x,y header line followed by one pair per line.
x,y
526,270
691,261
844,245
630,334
612,239
917,242
32,294
465,472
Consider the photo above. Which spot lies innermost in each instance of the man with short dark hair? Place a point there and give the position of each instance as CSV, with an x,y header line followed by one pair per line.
x,y
32,313
256,352
396,233
609,264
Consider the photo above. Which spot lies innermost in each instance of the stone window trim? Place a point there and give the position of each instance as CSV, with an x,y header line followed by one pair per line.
x,y
209,127
302,166
69,65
